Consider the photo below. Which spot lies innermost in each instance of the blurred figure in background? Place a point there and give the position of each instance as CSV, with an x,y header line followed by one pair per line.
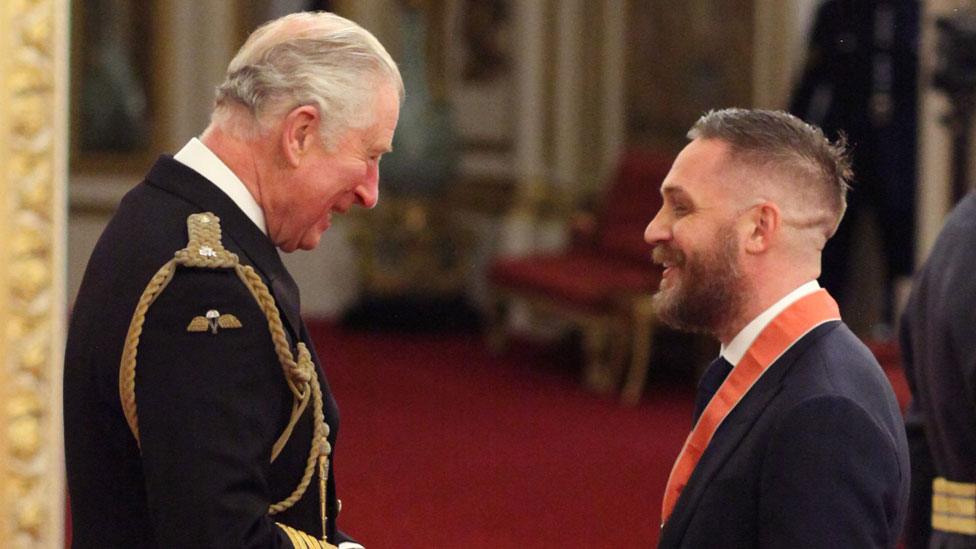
x,y
861,79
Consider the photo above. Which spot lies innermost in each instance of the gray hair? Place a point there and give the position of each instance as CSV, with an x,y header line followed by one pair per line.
x,y
817,170
310,58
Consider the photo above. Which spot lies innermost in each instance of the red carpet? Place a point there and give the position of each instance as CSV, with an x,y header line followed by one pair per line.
x,y
445,446
442,445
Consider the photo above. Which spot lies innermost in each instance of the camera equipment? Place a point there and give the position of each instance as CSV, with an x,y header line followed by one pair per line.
x,y
955,75
956,69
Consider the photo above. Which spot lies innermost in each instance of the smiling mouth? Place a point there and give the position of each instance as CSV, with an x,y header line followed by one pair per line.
x,y
669,275
669,259
664,259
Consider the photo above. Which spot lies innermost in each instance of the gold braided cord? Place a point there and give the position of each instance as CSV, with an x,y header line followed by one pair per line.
x,y
323,492
205,250
127,370
320,442
297,377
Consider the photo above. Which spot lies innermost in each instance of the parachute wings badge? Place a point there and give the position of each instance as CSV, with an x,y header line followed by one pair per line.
x,y
212,321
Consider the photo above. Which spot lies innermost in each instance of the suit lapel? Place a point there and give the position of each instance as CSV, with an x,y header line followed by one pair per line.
x,y
253,245
732,430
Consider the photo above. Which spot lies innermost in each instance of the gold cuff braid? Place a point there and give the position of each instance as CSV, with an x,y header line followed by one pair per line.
x,y
954,506
301,540
205,250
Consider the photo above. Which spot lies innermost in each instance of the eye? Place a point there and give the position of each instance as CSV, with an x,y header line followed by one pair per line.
x,y
680,209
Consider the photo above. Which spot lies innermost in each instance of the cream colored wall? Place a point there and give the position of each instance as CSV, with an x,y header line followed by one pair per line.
x,y
934,141
779,46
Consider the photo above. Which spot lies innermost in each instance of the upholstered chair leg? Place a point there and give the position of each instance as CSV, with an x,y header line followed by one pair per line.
x,y
597,374
496,325
642,336
618,349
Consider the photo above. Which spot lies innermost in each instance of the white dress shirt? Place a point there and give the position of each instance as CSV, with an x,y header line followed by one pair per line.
x,y
737,348
196,156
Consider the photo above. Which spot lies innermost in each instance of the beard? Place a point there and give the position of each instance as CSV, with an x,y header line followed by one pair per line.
x,y
707,293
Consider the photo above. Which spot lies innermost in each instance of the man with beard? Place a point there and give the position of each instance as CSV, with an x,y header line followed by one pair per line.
x,y
798,439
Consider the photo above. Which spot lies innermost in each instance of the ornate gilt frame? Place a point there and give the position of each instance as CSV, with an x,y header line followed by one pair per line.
x,y
33,130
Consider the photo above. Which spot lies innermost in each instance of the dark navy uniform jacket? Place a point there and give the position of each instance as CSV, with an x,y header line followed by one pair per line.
x,y
813,456
938,340
210,406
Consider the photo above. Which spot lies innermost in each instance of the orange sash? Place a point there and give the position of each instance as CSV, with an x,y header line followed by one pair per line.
x,y
777,337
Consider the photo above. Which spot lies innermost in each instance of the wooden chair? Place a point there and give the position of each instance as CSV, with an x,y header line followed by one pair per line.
x,y
601,282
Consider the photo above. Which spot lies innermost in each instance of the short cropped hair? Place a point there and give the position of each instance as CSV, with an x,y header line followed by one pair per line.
x,y
818,170
309,58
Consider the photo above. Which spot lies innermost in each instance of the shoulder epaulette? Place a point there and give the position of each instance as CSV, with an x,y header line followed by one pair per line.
x,y
205,250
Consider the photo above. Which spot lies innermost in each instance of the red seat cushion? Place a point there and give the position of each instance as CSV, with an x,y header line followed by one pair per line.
x,y
582,278
617,261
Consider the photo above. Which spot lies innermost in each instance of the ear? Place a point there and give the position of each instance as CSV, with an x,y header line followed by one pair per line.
x,y
299,132
764,222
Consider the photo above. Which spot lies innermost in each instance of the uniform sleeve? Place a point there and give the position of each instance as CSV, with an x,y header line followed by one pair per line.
x,y
210,406
830,479
961,321
918,522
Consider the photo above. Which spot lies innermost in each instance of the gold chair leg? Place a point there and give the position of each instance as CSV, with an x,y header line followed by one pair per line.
x,y
604,351
642,336
496,325
595,375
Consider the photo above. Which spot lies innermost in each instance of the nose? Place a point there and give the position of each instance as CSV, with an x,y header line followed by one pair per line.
x,y
368,193
657,230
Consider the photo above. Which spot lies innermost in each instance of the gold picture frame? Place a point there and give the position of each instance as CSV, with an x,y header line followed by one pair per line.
x,y
33,151
116,111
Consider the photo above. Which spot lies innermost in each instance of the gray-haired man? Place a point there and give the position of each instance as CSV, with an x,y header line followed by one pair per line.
x,y
193,415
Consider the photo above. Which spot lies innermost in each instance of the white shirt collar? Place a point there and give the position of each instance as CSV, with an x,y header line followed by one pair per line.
x,y
196,156
741,342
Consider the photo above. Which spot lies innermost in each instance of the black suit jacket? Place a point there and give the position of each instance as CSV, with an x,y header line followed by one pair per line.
x,y
210,406
813,456
938,341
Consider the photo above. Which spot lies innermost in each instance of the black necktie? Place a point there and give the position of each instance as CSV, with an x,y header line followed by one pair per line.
x,y
286,295
716,373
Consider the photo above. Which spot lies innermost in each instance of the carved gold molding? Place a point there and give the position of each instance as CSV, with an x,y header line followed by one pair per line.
x,y
33,96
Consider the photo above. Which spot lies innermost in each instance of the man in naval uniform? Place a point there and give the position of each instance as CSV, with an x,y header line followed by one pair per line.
x,y
214,446
938,342
798,440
